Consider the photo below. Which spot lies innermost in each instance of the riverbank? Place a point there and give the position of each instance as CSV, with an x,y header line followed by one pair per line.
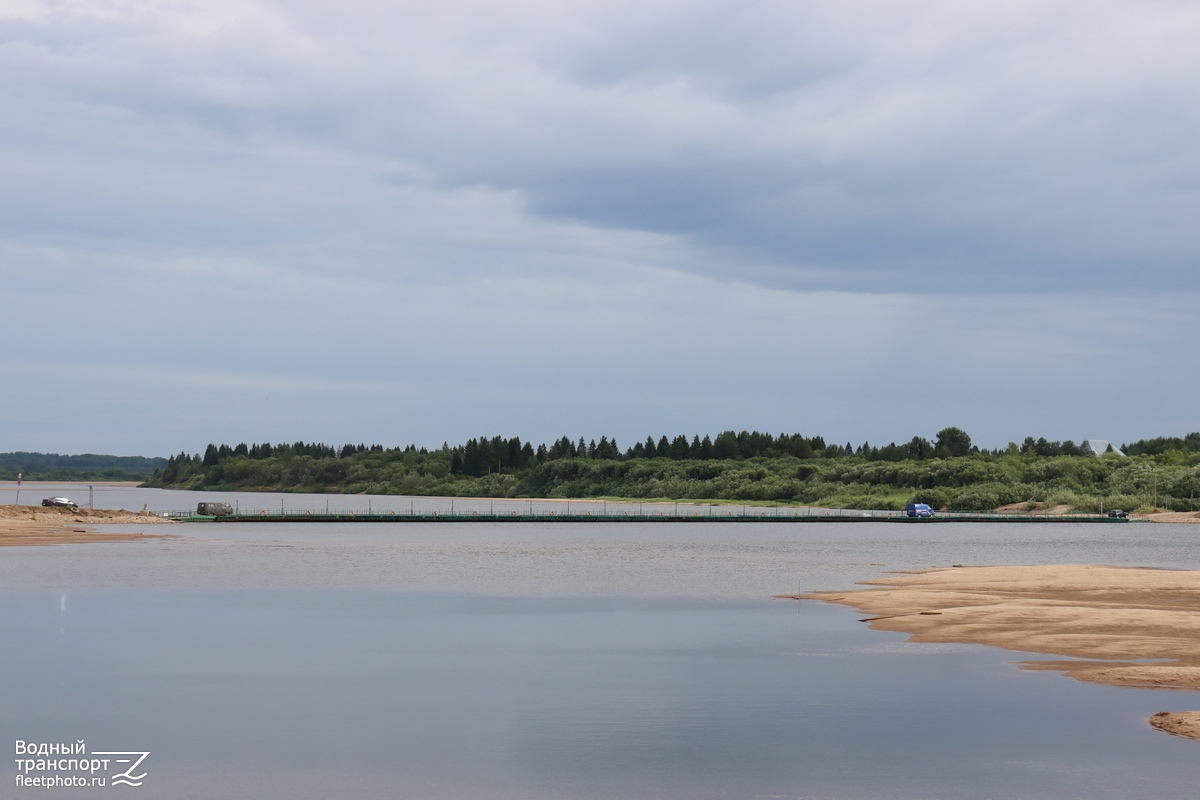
x,y
762,473
1112,619
39,525
37,486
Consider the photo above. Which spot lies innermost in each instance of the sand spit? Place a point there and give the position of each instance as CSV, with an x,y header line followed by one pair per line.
x,y
1038,510
1113,619
1184,723
1186,517
38,525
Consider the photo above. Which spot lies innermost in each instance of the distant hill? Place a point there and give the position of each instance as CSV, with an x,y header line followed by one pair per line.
x,y
85,467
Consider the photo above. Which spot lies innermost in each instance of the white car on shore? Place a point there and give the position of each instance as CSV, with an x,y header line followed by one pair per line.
x,y
62,502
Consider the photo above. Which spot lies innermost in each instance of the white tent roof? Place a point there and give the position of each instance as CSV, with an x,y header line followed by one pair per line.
x,y
1099,447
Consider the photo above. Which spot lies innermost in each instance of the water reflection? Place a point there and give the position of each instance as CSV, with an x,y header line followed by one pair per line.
x,y
317,693
574,660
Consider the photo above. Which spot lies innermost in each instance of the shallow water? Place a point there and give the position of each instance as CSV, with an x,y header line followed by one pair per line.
x,y
704,561
581,661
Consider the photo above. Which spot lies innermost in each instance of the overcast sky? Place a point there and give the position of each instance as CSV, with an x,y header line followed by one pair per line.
x,y
237,220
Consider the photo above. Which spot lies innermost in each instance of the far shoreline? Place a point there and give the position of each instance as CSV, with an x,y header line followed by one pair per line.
x,y
11,486
1011,510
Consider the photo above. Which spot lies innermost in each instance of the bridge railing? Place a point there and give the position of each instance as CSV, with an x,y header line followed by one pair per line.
x,y
714,513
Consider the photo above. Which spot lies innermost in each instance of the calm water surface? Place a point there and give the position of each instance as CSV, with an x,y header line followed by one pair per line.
x,y
559,661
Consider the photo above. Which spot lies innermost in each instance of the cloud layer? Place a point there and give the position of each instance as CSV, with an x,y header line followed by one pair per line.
x,y
546,218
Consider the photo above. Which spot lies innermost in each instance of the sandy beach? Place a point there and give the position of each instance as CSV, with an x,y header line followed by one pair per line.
x,y
1175,517
40,525
1112,619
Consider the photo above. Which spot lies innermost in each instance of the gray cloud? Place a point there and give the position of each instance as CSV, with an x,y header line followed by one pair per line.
x,y
964,148
629,217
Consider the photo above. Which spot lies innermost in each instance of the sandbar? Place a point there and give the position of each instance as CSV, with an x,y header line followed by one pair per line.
x,y
1185,517
1183,723
1125,626
38,525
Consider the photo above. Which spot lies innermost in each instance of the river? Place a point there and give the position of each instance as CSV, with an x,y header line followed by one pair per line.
x,y
558,661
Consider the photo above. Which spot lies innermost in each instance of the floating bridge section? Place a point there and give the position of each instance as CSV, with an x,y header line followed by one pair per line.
x,y
779,515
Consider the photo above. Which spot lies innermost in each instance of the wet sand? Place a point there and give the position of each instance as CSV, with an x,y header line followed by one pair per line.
x,y
38,525
1112,619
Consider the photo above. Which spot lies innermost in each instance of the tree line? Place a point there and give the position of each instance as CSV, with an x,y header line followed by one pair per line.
x,y
84,467
482,456
947,470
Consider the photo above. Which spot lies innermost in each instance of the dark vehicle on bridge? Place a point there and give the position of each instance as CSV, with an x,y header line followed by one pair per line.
x,y
919,510
214,510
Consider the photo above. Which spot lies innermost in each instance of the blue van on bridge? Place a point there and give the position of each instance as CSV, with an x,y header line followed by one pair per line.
x,y
919,510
